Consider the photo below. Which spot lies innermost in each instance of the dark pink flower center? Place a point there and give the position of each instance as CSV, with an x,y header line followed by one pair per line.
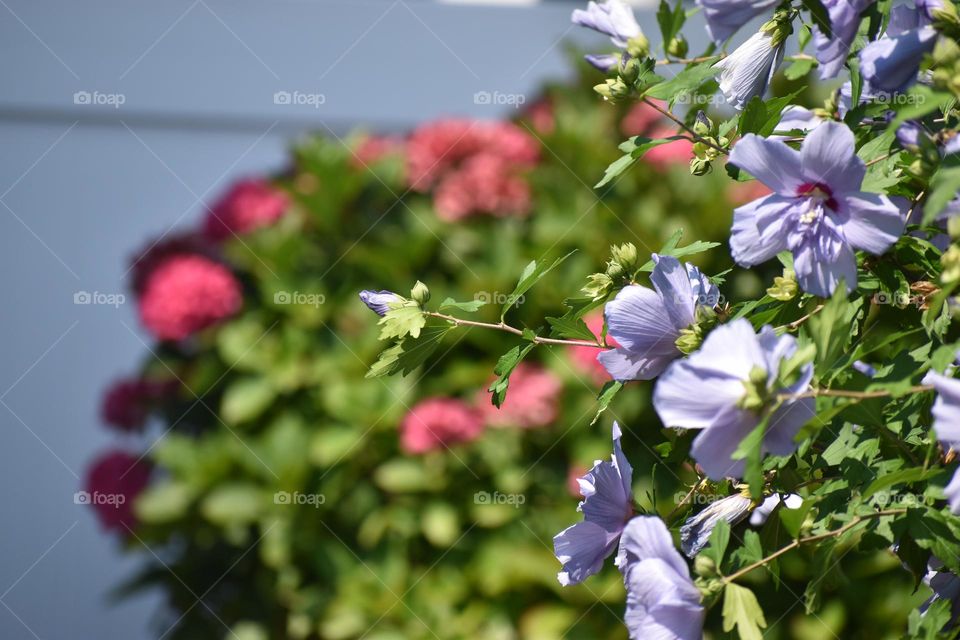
x,y
819,191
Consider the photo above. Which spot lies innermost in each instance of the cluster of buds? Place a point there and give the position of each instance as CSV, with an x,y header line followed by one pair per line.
x,y
708,146
620,268
631,71
946,70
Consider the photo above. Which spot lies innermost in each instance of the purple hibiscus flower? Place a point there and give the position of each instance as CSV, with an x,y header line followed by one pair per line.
x,y
647,322
817,210
695,532
607,505
379,301
662,601
891,63
946,424
725,17
612,18
832,50
748,71
709,390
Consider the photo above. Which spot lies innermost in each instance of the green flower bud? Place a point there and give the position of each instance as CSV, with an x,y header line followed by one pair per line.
x,y
784,287
700,167
625,255
951,265
638,46
420,293
613,89
678,47
702,126
705,567
689,339
630,70
598,285
614,269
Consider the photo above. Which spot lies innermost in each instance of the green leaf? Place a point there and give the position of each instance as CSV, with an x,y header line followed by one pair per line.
x,y
741,610
943,188
882,175
898,477
233,504
799,68
407,355
531,275
401,322
570,328
163,502
670,248
719,540
684,82
505,366
471,306
670,21
634,148
607,393
246,398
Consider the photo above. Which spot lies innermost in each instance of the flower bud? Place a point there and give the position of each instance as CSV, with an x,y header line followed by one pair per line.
x,y
702,126
951,265
689,339
598,285
700,167
704,566
784,287
638,46
625,255
629,68
678,47
420,293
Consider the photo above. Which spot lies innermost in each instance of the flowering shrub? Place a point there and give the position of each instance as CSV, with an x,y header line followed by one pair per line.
x,y
806,432
298,498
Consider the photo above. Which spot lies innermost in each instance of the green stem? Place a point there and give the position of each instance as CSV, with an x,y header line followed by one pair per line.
x,y
502,326
856,395
684,126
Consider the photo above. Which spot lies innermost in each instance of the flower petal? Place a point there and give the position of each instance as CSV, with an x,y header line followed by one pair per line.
x,y
822,263
647,537
874,224
626,365
828,157
639,321
770,161
713,449
672,282
581,549
946,408
662,605
750,246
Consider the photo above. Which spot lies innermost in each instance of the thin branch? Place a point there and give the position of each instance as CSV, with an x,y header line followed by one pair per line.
x,y
502,326
846,393
790,326
686,60
684,126
799,541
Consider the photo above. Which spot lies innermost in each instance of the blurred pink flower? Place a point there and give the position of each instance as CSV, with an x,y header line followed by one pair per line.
x,y
157,251
436,422
541,116
113,482
187,293
474,166
585,358
373,148
641,119
127,402
532,399
672,153
248,205
573,481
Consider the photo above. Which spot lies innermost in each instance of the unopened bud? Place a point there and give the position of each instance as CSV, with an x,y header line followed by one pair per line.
x,y
678,47
420,293
638,46
625,255
784,287
702,126
700,166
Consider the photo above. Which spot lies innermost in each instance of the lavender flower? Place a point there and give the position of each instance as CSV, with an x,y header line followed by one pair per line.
x,y
379,301
748,71
607,505
946,424
725,17
662,601
912,136
794,118
695,532
945,586
733,369
891,63
844,22
817,210
647,322
615,19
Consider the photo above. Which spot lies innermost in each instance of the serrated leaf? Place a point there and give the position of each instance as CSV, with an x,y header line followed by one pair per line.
x,y
531,275
607,393
570,328
505,366
634,148
684,82
799,68
401,322
470,306
741,610
670,20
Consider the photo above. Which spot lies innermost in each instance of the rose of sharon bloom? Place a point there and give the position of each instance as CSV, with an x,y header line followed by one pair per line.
x,y
695,532
662,601
585,358
946,424
126,403
248,205
749,70
379,301
817,210
832,49
435,423
475,167
532,399
113,482
647,322
607,505
761,513
891,64
187,293
709,391
945,586
612,18
725,17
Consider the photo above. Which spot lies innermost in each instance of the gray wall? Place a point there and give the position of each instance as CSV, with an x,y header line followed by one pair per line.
x,y
83,185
